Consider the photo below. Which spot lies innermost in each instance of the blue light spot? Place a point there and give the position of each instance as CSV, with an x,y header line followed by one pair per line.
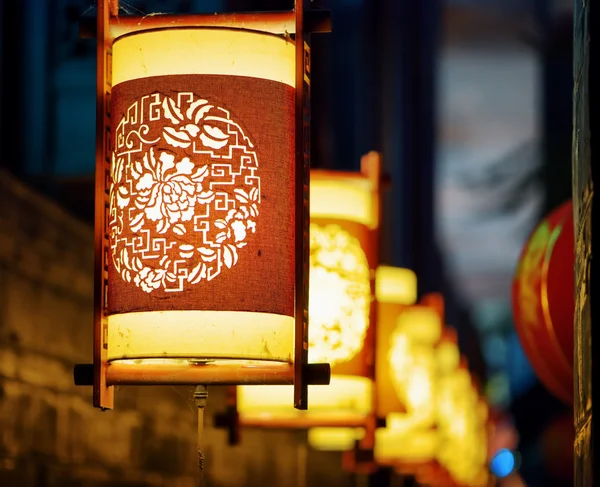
x,y
503,463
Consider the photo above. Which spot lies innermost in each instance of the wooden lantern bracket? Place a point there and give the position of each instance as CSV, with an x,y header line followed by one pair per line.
x,y
103,375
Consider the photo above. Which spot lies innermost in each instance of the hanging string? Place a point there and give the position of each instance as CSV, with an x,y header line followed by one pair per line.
x,y
200,396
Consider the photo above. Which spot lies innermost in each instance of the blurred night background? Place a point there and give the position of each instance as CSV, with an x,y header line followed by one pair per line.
x,y
469,102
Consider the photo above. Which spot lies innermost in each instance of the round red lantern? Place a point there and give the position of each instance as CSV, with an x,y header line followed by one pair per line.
x,y
544,302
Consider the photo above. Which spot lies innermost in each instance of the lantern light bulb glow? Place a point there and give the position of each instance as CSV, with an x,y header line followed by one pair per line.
x,y
339,295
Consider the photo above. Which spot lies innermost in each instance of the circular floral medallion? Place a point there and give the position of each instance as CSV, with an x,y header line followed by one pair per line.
x,y
339,294
185,192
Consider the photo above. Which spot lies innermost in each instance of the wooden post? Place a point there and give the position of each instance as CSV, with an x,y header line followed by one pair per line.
x,y
584,204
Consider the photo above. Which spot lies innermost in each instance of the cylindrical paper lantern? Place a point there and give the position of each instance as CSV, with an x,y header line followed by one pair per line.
x,y
201,208
409,441
344,213
412,360
395,288
462,426
544,303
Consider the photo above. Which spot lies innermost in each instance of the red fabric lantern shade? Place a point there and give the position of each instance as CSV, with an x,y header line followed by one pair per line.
x,y
543,301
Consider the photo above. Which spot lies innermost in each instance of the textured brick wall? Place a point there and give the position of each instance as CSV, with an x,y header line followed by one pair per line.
x,y
584,204
50,436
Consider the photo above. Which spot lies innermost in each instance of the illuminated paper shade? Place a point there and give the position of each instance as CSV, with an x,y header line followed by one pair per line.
x,y
201,208
395,288
411,361
343,253
409,440
462,425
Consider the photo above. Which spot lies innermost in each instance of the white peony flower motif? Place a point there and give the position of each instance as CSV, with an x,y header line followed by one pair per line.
x,y
168,191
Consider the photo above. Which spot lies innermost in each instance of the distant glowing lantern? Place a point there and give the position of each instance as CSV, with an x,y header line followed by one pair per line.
x,y
202,222
544,300
409,440
447,355
412,360
395,289
462,425
344,214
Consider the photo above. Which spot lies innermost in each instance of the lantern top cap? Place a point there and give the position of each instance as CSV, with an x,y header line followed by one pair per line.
x,y
395,285
420,322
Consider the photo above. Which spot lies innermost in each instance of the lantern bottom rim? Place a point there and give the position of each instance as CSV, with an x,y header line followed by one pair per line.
x,y
200,336
347,401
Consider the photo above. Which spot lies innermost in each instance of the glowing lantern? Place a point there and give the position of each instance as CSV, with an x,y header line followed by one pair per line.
x,y
462,424
409,441
544,301
395,288
344,213
412,360
447,355
201,204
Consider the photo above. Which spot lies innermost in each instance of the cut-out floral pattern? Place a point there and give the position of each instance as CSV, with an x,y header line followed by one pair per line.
x,y
174,220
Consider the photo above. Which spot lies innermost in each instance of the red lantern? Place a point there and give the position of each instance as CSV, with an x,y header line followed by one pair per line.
x,y
544,302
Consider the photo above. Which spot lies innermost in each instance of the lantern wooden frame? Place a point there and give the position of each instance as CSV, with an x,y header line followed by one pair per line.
x,y
230,419
104,375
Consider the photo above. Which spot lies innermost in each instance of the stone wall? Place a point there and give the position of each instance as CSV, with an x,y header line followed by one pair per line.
x,y
50,435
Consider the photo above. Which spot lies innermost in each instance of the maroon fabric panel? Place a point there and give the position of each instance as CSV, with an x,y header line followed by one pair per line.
x,y
202,195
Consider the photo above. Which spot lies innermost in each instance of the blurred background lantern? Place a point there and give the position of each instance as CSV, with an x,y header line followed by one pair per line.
x,y
344,212
462,418
543,301
395,288
409,441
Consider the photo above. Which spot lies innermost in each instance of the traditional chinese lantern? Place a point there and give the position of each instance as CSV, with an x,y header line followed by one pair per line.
x,y
344,221
202,197
395,288
462,426
544,303
409,440
447,354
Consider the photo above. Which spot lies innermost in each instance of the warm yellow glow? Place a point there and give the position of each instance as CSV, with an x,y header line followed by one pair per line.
x,y
395,285
412,361
202,334
411,444
345,394
421,324
339,295
334,439
203,51
447,357
461,421
207,334
349,199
